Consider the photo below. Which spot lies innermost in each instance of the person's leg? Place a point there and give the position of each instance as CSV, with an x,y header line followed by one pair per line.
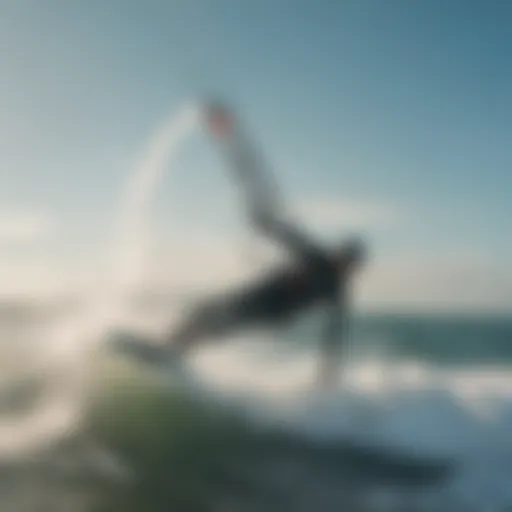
x,y
212,320
259,306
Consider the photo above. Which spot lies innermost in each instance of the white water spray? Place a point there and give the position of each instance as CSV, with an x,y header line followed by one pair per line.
x,y
129,257
134,232
62,363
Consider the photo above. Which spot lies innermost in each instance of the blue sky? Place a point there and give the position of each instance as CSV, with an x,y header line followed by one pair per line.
x,y
372,105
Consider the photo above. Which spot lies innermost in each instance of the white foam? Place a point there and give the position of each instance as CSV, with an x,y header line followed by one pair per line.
x,y
460,414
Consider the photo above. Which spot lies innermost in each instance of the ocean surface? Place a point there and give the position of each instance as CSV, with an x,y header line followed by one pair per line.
x,y
421,420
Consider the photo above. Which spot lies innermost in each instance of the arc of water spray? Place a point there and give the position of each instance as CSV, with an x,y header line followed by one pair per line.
x,y
129,255
64,356
134,226
133,235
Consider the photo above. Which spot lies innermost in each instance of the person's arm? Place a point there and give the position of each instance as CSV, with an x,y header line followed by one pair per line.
x,y
332,342
258,184
289,236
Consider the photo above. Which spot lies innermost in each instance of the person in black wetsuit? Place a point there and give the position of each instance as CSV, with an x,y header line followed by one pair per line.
x,y
317,276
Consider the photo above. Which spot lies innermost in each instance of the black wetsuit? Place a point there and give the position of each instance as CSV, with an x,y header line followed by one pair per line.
x,y
313,278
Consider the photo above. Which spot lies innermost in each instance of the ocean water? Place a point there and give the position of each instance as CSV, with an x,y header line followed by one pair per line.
x,y
419,390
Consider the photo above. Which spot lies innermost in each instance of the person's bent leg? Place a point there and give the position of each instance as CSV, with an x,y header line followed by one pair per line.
x,y
213,320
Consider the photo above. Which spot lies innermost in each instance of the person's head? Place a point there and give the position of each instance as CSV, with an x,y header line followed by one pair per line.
x,y
351,254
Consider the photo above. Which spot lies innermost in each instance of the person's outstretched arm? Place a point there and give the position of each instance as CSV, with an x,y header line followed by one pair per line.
x,y
332,342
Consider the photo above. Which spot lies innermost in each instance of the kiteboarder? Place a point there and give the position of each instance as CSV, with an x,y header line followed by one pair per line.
x,y
316,276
